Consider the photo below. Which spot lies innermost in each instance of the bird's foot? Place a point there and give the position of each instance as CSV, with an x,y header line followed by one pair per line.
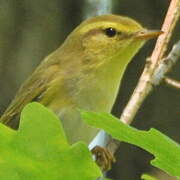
x,y
104,158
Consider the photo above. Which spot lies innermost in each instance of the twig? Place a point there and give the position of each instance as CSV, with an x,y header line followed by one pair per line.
x,y
172,82
145,84
170,21
166,65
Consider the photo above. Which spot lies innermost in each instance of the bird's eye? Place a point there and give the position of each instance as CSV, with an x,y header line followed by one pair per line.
x,y
110,32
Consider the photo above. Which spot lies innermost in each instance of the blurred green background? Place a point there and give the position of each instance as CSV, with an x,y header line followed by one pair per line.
x,y
30,30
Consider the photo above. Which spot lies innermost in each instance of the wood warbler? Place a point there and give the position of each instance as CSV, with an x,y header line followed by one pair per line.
x,y
84,72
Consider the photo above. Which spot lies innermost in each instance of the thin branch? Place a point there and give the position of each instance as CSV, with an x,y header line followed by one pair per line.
x,y
173,83
158,76
170,21
145,84
166,65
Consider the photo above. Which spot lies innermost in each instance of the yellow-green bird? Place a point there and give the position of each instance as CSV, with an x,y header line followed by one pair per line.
x,y
84,72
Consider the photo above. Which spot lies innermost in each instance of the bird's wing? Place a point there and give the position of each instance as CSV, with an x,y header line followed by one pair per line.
x,y
30,91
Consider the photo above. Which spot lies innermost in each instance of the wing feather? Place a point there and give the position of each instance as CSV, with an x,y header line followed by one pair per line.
x,y
31,90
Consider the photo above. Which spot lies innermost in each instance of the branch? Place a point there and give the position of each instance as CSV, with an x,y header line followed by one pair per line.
x,y
170,21
165,65
172,82
152,68
144,86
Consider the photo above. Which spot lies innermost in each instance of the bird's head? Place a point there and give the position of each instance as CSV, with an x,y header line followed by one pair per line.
x,y
107,36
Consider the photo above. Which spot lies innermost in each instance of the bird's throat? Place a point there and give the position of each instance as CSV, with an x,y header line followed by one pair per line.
x,y
100,91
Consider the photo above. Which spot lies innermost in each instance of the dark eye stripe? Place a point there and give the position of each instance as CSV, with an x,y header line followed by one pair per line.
x,y
109,32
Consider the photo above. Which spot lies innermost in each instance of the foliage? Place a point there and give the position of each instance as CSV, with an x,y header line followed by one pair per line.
x,y
39,150
165,150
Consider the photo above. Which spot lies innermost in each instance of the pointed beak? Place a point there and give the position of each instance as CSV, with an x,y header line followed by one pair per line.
x,y
148,34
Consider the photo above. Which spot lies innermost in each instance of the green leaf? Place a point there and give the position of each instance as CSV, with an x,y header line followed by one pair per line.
x,y
39,150
165,150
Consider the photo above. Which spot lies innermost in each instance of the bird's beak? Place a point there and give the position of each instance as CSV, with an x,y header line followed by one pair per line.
x,y
148,34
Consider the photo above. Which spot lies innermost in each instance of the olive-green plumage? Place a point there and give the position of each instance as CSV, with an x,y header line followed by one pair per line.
x,y
85,72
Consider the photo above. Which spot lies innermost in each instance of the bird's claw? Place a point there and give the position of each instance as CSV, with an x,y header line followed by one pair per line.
x,y
104,158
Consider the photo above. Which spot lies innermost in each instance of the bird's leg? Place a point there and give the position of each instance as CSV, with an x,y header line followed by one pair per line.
x,y
104,158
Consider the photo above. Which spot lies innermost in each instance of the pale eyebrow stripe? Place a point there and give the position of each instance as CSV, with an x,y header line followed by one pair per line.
x,y
94,25
103,25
